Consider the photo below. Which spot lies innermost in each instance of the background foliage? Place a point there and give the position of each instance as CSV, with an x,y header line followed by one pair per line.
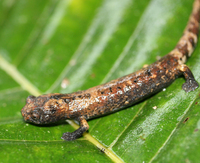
x,y
69,45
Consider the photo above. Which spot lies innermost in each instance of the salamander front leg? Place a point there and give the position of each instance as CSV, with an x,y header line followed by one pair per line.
x,y
68,136
190,84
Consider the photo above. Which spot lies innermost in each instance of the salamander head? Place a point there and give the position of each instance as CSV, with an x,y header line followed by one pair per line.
x,y
44,109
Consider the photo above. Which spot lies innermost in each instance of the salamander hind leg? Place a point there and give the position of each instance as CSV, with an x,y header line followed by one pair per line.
x,y
69,136
190,84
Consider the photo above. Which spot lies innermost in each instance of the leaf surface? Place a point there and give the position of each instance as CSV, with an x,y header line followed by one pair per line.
x,y
70,45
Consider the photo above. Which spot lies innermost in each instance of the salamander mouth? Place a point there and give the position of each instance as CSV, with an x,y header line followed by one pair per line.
x,y
31,120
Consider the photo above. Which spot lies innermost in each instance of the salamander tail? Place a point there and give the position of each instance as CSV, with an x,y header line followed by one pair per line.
x,y
188,41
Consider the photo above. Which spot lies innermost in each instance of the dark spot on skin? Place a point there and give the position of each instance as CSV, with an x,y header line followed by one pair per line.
x,y
149,72
181,59
158,71
182,49
135,81
175,60
88,95
118,87
74,97
168,62
191,40
57,97
102,92
169,70
53,110
186,119
110,89
164,68
79,96
194,30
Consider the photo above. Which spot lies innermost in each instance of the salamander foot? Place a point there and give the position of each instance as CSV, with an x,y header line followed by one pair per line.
x,y
68,136
190,85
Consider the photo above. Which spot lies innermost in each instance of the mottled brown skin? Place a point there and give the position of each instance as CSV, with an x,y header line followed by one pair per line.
x,y
119,93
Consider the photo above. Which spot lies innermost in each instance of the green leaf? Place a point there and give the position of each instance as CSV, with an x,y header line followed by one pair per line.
x,y
68,45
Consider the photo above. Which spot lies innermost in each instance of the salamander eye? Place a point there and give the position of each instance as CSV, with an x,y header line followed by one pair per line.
x,y
35,116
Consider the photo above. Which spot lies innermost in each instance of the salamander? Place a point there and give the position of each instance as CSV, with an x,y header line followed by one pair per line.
x,y
119,93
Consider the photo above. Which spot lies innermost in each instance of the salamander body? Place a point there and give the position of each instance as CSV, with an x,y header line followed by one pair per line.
x,y
118,93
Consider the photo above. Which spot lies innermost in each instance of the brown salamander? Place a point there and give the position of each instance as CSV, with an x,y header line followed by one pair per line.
x,y
118,93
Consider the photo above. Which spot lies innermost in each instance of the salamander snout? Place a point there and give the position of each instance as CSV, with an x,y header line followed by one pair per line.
x,y
43,109
34,111
33,116
37,115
